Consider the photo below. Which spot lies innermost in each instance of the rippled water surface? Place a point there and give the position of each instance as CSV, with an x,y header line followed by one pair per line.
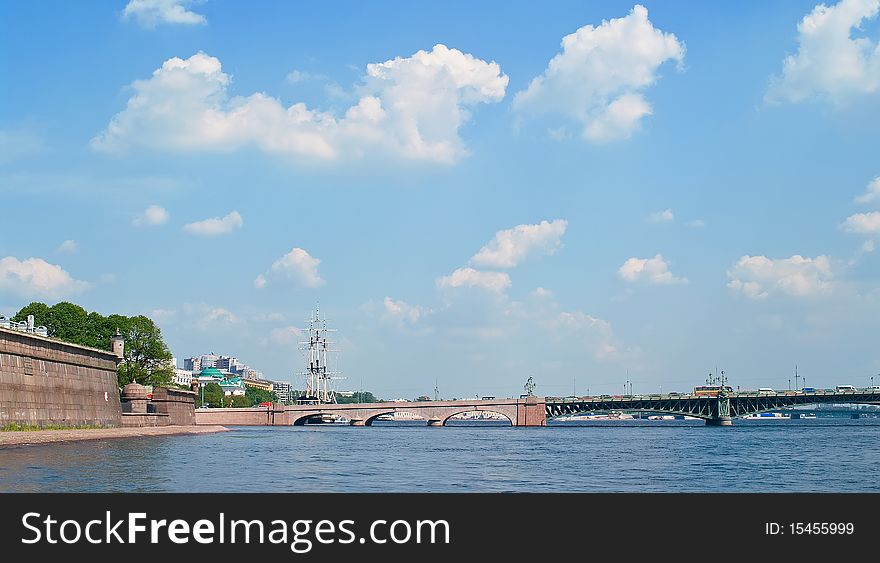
x,y
831,455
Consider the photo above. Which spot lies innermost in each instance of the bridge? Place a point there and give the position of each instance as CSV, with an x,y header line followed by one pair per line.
x,y
534,411
715,410
527,411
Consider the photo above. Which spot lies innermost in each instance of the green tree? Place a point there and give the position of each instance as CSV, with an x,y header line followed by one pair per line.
x,y
256,396
357,397
240,401
147,359
213,394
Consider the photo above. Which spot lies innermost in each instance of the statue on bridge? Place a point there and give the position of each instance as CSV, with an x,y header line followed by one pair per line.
x,y
530,387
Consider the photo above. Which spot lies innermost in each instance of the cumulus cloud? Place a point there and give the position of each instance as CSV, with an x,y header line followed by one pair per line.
x,y
216,225
872,192
403,311
409,107
653,270
511,246
68,247
830,63
661,216
34,277
285,335
152,216
297,265
599,78
759,277
468,277
150,13
862,223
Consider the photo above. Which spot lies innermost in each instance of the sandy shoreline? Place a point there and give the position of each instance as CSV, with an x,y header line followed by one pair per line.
x,y
28,438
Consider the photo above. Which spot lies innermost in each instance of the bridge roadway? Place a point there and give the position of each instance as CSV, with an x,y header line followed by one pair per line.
x,y
534,411
719,410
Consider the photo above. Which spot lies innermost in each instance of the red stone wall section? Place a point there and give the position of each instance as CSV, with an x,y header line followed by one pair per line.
x,y
531,412
178,404
256,416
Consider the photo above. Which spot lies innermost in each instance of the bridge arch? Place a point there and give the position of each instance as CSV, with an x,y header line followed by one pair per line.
x,y
448,416
302,419
370,418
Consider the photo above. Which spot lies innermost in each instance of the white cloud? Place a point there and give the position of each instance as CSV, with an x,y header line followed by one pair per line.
x,y
661,216
759,277
511,246
34,277
830,63
654,270
603,341
599,77
297,76
872,192
863,223
163,314
68,247
469,277
697,224
408,107
868,246
541,293
285,336
216,225
403,311
152,216
149,13
297,265
206,317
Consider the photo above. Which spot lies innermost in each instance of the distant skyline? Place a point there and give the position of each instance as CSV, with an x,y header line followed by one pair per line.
x,y
474,194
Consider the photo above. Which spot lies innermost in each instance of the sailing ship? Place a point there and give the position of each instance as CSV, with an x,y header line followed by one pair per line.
x,y
318,377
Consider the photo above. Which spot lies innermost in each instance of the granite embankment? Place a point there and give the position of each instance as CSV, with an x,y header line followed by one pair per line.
x,y
35,437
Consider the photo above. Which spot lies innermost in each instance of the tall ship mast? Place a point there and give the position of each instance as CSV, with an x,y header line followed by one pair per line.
x,y
318,376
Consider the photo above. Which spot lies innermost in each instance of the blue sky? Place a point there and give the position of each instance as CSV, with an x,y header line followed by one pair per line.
x,y
471,199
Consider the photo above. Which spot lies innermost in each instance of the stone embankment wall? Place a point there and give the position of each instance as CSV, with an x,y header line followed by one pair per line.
x,y
47,382
165,407
255,416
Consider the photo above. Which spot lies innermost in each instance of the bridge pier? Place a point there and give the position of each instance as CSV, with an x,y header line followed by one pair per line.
x,y
719,421
435,422
356,422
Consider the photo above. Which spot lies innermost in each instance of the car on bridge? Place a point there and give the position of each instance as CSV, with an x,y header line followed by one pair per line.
x,y
841,388
809,389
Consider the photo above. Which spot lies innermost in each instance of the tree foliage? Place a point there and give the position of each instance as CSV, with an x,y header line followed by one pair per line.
x,y
357,397
147,358
213,396
256,396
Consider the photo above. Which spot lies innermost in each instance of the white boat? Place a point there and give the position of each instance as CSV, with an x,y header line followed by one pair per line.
x,y
768,416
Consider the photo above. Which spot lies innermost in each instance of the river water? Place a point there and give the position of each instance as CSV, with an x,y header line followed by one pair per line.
x,y
817,455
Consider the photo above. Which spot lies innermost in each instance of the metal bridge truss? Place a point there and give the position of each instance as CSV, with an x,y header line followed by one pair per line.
x,y
732,405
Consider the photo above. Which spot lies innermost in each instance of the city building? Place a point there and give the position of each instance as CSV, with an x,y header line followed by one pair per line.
x,y
233,387
228,364
283,390
258,384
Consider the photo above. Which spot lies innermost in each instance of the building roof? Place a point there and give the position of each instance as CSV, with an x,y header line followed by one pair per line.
x,y
212,372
